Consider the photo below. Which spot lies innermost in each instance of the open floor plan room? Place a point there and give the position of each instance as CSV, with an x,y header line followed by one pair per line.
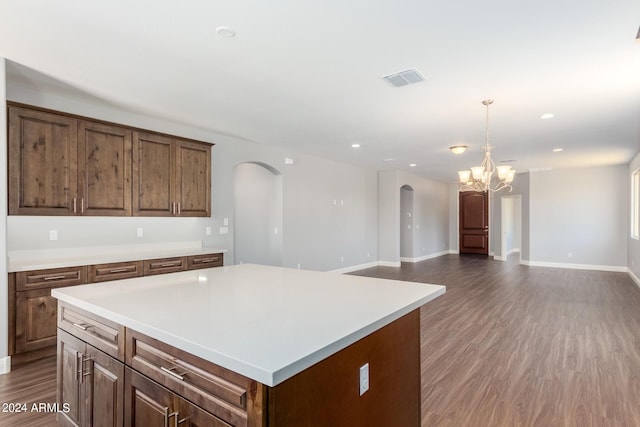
x,y
506,345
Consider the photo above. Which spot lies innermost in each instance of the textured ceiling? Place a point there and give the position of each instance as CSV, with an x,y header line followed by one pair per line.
x,y
307,74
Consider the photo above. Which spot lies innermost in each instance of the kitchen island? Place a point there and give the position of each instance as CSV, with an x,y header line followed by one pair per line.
x,y
244,345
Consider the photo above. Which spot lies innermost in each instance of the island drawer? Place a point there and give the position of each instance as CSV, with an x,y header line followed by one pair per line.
x,y
114,271
51,278
101,333
164,265
204,261
219,391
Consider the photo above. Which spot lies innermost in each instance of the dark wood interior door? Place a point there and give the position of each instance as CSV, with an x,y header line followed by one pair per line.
x,y
474,222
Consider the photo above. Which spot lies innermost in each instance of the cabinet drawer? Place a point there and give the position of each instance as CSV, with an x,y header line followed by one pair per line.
x,y
101,333
51,278
204,261
219,391
164,265
114,271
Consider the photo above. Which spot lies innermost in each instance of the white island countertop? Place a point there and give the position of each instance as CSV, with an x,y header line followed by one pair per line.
x,y
266,323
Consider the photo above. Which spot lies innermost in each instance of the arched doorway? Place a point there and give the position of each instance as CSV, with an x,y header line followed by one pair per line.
x,y
406,223
257,193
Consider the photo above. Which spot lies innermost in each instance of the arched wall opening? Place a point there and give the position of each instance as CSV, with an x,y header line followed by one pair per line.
x,y
257,195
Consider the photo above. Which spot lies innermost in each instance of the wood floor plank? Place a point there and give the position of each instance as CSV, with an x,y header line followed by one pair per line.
x,y
511,345
507,345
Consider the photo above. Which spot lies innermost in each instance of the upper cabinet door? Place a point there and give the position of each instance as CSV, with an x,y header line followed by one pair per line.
x,y
153,175
193,174
42,163
104,170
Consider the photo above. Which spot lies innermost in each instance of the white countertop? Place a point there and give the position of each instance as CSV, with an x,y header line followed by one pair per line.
x,y
266,323
71,257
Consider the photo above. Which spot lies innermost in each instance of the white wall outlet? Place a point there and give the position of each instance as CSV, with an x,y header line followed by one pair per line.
x,y
341,259
139,232
225,222
364,378
53,234
207,231
570,255
275,230
224,230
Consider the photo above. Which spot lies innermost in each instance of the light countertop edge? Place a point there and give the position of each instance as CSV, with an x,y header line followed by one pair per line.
x,y
270,376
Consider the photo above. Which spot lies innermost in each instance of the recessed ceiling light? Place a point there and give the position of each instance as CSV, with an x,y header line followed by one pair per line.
x,y
557,150
355,145
547,116
413,165
225,32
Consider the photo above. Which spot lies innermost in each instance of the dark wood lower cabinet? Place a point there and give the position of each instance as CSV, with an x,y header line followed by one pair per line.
x,y
35,320
90,385
150,404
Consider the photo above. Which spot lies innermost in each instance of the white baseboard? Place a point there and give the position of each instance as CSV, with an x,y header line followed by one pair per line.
x,y
633,277
5,365
513,251
575,266
389,263
425,257
355,268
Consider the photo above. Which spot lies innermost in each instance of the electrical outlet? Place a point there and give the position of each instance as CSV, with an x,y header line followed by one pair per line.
x,y
53,234
364,378
140,232
207,231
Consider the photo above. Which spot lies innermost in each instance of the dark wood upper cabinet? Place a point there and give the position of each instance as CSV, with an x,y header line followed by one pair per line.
x,y
193,178
104,170
60,164
171,176
42,163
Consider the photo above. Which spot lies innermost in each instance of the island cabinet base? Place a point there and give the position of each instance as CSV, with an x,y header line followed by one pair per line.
x,y
150,383
328,393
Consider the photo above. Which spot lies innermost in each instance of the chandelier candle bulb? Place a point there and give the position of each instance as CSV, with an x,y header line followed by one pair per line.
x,y
464,176
503,171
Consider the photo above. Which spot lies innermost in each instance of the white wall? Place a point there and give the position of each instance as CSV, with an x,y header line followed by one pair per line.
x,y
329,208
579,217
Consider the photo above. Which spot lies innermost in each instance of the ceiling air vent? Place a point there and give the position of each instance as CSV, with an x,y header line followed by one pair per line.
x,y
404,78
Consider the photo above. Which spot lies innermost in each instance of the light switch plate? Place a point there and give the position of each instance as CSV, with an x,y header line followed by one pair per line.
x,y
364,378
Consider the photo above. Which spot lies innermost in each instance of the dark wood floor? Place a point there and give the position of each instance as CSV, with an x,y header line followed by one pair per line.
x,y
510,345
507,345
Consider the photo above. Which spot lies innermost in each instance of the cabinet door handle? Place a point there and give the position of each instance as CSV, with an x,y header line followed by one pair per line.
x,y
54,277
178,208
82,205
74,205
173,208
82,372
173,374
206,260
120,270
168,415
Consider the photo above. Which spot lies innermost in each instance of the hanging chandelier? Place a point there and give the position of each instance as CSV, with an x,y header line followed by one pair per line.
x,y
479,178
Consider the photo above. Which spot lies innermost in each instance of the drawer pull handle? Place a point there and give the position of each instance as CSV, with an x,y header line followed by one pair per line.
x,y
55,277
83,326
207,260
120,270
171,264
173,374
